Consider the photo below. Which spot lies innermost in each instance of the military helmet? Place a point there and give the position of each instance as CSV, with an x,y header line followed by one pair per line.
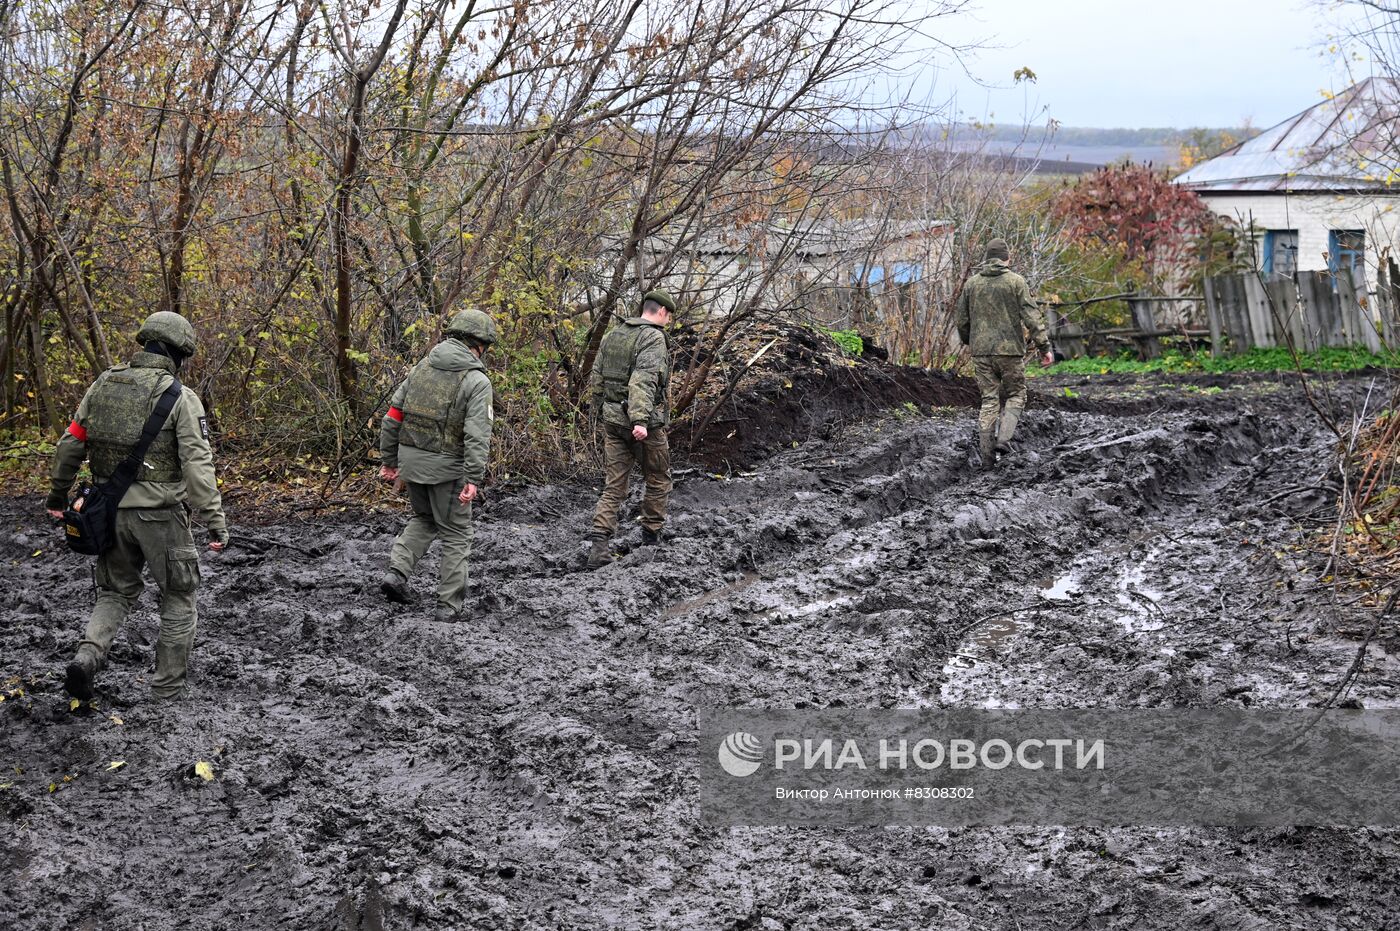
x,y
663,298
473,324
167,327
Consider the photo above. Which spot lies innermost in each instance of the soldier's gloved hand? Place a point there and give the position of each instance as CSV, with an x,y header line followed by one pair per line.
x,y
639,433
218,540
388,474
56,515
468,493
1047,359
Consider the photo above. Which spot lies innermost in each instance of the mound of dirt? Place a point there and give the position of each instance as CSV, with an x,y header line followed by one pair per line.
x,y
803,386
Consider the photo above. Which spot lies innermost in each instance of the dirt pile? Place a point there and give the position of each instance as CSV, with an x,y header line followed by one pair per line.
x,y
803,386
534,767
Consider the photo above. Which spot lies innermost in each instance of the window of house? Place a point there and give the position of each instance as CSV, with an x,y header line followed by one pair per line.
x,y
1346,249
871,276
1281,252
906,272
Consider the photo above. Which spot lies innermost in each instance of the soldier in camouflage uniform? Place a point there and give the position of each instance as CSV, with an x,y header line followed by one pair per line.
x,y
436,437
153,522
994,313
630,387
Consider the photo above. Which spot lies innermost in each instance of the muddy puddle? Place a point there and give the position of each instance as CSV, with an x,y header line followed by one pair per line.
x,y
533,766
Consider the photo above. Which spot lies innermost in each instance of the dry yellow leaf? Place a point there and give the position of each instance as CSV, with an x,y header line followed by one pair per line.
x,y
204,771
115,764
73,704
117,720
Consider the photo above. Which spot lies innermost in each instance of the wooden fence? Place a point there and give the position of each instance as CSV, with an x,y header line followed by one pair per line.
x,y
1313,310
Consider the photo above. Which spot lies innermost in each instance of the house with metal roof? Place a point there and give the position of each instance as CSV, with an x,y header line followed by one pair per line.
x,y
1319,190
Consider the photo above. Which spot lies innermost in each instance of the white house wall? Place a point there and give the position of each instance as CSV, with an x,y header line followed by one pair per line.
x,y
1314,215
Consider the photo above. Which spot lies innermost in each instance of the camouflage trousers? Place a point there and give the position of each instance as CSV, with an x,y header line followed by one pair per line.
x,y
158,539
620,451
437,513
1000,378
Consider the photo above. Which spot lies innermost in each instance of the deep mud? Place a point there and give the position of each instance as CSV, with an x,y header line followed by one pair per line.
x,y
534,767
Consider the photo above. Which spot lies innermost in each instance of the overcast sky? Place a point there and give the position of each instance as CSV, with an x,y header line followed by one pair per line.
x,y
1133,63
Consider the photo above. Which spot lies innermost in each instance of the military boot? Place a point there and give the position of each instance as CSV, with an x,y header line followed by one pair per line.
x,y
986,448
394,587
650,537
446,614
77,679
600,554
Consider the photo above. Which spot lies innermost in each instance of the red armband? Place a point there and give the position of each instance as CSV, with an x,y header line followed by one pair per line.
x,y
395,414
78,432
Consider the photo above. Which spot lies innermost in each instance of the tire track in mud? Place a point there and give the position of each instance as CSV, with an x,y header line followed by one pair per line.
x,y
532,767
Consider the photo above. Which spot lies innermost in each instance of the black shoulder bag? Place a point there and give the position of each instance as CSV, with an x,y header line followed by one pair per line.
x,y
90,522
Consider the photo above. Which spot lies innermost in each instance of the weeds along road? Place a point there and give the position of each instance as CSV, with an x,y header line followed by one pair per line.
x,y
534,767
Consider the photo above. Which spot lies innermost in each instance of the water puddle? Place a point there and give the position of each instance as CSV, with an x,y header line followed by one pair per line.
x,y
1065,588
981,652
1143,615
698,602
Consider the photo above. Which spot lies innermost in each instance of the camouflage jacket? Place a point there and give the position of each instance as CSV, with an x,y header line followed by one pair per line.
x,y
631,379
438,427
996,311
179,466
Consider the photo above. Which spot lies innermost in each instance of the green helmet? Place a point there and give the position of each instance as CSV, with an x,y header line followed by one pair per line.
x,y
663,298
170,328
473,324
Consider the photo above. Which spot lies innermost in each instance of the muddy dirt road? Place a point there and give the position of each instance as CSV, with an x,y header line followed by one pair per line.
x,y
533,767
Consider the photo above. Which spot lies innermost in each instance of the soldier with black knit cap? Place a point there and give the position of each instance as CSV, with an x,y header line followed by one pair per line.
x,y
995,312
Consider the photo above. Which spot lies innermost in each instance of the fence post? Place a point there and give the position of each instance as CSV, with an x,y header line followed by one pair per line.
x,y
1257,311
1149,346
1317,296
1213,316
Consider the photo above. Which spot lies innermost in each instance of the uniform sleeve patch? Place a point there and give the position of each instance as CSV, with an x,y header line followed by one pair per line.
x,y
76,429
204,427
395,414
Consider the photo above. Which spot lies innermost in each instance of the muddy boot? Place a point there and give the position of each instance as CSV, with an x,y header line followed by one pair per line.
x,y
650,537
394,586
600,554
447,614
1003,453
986,448
77,678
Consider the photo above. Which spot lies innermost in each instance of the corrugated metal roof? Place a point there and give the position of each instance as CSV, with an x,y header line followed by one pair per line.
x,y
1345,143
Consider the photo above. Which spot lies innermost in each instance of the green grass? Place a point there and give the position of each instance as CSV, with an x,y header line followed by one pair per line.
x,y
1256,360
848,340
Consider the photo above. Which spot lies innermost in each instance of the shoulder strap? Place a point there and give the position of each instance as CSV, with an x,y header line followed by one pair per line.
x,y
154,423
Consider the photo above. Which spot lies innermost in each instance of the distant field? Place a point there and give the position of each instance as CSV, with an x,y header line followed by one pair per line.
x,y
1160,155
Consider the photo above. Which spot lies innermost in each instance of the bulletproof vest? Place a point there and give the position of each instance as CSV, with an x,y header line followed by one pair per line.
x,y
616,357
118,408
427,408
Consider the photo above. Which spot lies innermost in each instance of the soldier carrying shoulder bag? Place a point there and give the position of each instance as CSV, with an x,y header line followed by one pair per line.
x,y
90,521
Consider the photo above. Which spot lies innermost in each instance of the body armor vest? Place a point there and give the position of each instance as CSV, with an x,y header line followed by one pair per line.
x,y
617,356
118,408
427,408
618,352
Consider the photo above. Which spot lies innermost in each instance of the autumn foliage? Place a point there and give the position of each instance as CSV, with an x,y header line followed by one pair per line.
x,y
1135,212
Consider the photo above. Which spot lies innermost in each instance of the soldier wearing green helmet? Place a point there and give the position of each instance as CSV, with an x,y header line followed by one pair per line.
x,y
630,388
153,518
435,438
